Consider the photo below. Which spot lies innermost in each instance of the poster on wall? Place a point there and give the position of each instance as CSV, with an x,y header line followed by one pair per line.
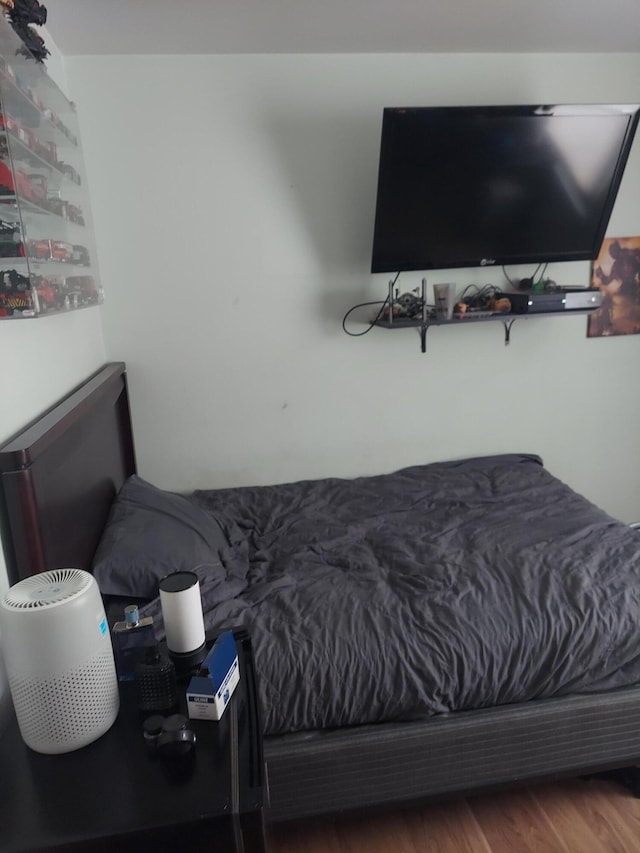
x,y
616,272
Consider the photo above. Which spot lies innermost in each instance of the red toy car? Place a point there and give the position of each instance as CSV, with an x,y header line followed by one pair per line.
x,y
47,296
38,188
61,251
7,186
8,123
40,250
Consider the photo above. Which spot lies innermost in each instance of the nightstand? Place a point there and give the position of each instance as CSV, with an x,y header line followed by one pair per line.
x,y
112,794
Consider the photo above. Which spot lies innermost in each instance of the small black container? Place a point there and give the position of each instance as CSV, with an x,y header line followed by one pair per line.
x,y
155,679
151,730
176,746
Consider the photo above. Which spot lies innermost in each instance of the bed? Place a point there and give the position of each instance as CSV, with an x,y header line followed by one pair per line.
x,y
393,656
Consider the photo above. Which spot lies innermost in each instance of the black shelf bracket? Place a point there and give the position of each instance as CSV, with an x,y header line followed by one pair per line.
x,y
508,323
507,330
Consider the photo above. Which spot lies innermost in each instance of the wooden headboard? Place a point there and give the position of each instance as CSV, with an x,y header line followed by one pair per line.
x,y
59,476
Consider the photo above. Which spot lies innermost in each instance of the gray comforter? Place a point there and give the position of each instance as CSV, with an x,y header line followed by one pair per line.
x,y
436,588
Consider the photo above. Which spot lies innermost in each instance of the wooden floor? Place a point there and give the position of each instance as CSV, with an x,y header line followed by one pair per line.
x,y
576,816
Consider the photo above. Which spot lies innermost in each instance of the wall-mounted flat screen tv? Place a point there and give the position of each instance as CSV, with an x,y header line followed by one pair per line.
x,y
478,186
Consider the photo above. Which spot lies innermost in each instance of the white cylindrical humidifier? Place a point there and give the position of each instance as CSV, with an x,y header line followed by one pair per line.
x,y
59,660
183,619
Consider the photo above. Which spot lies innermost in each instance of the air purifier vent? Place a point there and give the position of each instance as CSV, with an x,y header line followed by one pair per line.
x,y
85,692
47,589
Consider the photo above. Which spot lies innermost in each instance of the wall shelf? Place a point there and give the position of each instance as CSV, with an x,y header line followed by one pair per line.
x,y
507,320
48,262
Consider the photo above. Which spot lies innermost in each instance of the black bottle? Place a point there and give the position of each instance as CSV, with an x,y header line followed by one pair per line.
x,y
130,639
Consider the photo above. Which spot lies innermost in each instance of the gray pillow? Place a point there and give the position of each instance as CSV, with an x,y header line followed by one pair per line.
x,y
150,533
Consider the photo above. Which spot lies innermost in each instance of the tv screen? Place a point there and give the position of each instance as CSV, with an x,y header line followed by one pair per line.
x,y
478,186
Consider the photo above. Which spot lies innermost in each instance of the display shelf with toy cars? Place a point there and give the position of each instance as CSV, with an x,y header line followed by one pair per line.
x,y
47,248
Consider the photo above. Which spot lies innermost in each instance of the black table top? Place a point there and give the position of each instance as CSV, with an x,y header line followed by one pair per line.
x,y
113,789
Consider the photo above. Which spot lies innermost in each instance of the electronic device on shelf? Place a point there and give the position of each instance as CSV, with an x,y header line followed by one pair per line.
x,y
579,300
545,302
497,185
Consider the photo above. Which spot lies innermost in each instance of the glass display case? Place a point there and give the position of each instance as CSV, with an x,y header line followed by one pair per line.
x,y
47,249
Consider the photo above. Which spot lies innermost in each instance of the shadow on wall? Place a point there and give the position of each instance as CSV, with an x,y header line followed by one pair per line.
x,y
329,166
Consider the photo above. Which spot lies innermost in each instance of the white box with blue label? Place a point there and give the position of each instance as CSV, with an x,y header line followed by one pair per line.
x,y
209,693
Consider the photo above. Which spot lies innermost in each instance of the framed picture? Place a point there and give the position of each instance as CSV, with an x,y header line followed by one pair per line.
x,y
616,272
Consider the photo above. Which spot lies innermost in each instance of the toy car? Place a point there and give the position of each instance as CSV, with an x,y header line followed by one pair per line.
x,y
26,136
11,250
69,171
38,188
19,183
49,151
9,230
11,245
15,294
40,250
74,214
8,123
46,293
81,256
26,189
57,205
63,252
85,288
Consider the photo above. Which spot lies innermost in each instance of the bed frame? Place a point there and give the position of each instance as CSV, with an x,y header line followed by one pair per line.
x,y
61,473
59,477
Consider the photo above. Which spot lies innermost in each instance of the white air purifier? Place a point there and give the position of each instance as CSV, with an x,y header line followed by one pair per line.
x,y
59,660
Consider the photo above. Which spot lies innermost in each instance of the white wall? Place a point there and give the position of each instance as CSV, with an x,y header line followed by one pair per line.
x,y
233,198
44,358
